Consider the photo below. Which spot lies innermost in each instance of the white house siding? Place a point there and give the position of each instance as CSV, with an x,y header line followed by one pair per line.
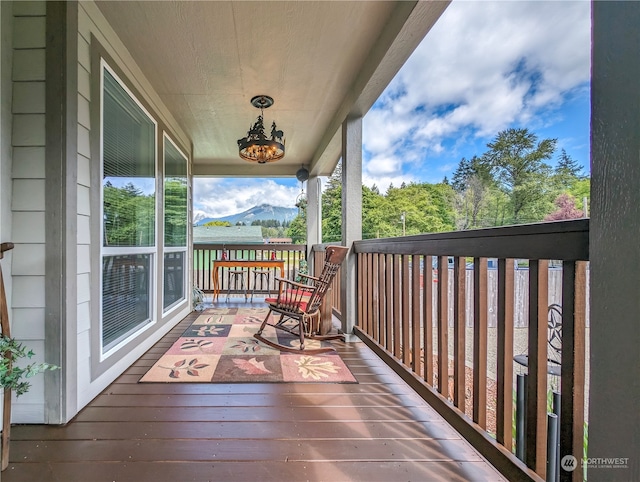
x,y
27,200
89,381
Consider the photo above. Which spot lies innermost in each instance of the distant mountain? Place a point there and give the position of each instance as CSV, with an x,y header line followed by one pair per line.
x,y
262,212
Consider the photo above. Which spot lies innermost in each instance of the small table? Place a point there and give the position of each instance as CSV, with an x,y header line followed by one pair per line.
x,y
240,263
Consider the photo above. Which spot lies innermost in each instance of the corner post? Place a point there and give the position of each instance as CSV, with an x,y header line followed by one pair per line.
x,y
314,216
351,218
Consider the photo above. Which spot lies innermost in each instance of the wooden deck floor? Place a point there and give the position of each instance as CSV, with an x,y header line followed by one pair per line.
x,y
376,430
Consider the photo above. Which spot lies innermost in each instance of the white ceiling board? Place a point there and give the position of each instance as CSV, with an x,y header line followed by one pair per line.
x,y
207,59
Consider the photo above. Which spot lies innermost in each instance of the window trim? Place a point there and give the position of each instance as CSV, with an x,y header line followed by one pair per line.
x,y
89,318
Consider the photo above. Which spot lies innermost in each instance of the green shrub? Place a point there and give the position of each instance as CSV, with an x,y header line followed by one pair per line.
x,y
12,376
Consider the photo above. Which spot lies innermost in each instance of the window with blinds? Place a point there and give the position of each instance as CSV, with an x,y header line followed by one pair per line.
x,y
174,279
128,145
129,214
175,224
126,296
175,196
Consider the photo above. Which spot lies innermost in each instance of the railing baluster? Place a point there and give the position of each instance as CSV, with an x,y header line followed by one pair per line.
x,y
574,281
406,340
396,305
537,367
427,308
480,342
361,283
374,300
504,404
366,294
443,326
389,301
415,312
459,333
382,278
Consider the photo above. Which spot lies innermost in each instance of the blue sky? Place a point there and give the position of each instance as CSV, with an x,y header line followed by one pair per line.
x,y
484,67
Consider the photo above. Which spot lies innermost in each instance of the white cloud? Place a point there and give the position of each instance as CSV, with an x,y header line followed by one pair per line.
x,y
382,165
217,197
484,66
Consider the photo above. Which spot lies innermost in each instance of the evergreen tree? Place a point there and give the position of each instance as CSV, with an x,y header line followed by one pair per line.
x,y
332,207
567,171
468,169
516,158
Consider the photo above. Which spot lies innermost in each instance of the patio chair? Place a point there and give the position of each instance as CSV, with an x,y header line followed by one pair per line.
x,y
236,278
299,305
554,342
265,276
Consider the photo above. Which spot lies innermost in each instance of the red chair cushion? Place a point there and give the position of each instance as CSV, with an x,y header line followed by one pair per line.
x,y
302,305
293,294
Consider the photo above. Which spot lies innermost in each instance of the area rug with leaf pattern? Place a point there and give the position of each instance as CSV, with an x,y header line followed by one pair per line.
x,y
218,347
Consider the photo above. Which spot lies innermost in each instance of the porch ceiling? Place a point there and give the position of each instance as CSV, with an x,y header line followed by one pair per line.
x,y
320,60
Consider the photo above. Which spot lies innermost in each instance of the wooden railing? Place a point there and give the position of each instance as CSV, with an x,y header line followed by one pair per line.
x,y
404,315
204,254
333,295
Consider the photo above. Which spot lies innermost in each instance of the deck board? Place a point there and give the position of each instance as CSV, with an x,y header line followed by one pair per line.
x,y
376,430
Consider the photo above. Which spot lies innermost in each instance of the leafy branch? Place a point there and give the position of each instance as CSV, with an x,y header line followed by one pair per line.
x,y
12,376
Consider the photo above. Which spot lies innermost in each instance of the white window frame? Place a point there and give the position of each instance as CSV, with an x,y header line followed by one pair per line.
x,y
174,249
115,251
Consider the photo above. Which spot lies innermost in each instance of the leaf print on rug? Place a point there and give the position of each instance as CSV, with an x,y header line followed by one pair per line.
x,y
191,368
210,330
193,344
253,319
210,320
248,345
251,366
315,368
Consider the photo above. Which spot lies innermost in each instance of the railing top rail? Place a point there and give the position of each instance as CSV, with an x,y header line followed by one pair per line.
x,y
252,247
322,247
567,240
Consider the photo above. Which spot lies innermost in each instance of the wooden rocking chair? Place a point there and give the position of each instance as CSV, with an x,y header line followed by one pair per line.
x,y
300,304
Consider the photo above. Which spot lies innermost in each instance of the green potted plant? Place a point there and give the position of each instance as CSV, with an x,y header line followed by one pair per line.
x,y
13,378
198,298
